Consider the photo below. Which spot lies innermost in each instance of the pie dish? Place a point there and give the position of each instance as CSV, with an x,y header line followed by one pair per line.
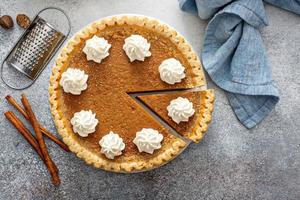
x,y
110,84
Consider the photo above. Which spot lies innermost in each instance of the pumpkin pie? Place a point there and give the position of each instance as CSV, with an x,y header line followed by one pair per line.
x,y
196,126
108,90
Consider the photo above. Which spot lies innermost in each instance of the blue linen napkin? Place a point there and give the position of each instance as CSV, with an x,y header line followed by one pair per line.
x,y
234,55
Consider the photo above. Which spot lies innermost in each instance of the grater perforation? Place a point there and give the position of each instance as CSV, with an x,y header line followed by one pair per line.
x,y
35,47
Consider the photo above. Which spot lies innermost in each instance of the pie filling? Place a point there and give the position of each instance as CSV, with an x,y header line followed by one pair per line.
x,y
105,97
158,103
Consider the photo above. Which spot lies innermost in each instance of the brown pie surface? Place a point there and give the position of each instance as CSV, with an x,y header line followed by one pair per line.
x,y
109,86
195,128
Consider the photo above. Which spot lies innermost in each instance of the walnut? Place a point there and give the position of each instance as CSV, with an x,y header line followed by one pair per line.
x,y
6,22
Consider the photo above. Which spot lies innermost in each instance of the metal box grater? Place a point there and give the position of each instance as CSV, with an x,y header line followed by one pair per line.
x,y
35,48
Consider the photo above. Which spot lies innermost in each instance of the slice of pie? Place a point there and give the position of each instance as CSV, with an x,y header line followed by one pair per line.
x,y
106,94
197,124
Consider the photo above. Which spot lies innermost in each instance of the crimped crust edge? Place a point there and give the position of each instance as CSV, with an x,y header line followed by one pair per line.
x,y
176,147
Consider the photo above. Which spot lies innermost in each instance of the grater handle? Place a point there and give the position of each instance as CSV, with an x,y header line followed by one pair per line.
x,y
63,12
8,84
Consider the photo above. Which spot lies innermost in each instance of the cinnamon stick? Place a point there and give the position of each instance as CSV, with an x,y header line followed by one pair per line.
x,y
34,122
15,104
54,139
18,124
24,132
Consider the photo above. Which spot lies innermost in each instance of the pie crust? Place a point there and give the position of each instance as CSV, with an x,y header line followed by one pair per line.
x,y
197,125
168,151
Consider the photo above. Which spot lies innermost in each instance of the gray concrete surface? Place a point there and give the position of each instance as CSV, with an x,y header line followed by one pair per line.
x,y
230,163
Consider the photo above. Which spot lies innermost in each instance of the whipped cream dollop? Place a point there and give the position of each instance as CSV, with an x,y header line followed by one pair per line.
x,y
73,81
180,110
147,140
96,49
84,122
171,71
136,47
112,145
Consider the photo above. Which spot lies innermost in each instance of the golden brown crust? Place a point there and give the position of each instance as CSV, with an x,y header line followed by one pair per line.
x,y
205,118
197,125
171,150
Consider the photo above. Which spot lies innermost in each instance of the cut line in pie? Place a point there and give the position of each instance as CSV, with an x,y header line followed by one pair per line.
x,y
195,128
109,86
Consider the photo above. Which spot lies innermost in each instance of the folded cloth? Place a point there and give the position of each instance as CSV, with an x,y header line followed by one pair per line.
x,y
234,56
